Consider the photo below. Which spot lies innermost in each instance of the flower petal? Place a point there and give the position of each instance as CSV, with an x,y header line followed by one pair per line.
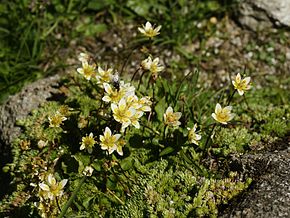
x,y
247,79
62,183
169,110
44,187
218,108
51,180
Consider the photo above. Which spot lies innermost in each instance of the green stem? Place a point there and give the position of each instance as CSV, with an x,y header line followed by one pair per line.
x,y
71,199
208,137
112,193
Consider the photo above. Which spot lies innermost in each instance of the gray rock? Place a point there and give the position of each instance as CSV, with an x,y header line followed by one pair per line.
x,y
20,105
269,195
262,14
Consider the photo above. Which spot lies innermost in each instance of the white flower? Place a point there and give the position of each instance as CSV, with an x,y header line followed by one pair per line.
x,y
148,30
104,75
83,57
222,115
87,70
51,188
123,113
171,118
88,142
152,66
241,85
56,120
193,137
108,141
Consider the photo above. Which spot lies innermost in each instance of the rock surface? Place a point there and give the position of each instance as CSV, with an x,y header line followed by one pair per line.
x,y
20,105
262,14
269,195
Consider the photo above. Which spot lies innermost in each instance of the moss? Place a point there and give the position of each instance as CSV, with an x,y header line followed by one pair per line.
x,y
232,140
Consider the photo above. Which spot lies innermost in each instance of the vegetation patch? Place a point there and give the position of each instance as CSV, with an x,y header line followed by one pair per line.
x,y
145,147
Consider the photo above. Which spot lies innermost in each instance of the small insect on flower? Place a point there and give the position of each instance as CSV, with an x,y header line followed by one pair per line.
x,y
116,81
148,30
88,142
172,118
222,115
56,120
51,188
241,85
108,141
193,137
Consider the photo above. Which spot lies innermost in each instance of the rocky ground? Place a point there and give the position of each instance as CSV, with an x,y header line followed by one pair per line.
x,y
228,50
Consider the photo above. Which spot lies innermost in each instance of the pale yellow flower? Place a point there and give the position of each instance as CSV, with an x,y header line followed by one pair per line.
x,y
222,115
114,96
135,119
109,142
148,30
88,142
133,101
51,188
152,65
104,75
193,137
172,118
56,120
87,70
241,85
145,104
122,113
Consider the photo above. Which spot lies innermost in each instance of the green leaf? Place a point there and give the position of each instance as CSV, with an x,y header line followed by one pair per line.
x,y
86,202
127,163
98,4
160,108
83,160
166,151
111,182
97,165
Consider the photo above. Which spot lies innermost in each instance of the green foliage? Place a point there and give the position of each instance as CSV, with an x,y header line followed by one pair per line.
x,y
232,140
32,35
138,166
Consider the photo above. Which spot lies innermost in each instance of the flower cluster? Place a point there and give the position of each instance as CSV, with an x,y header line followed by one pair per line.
x,y
90,70
127,108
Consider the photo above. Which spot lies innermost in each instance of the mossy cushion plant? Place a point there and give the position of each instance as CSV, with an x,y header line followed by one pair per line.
x,y
112,148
